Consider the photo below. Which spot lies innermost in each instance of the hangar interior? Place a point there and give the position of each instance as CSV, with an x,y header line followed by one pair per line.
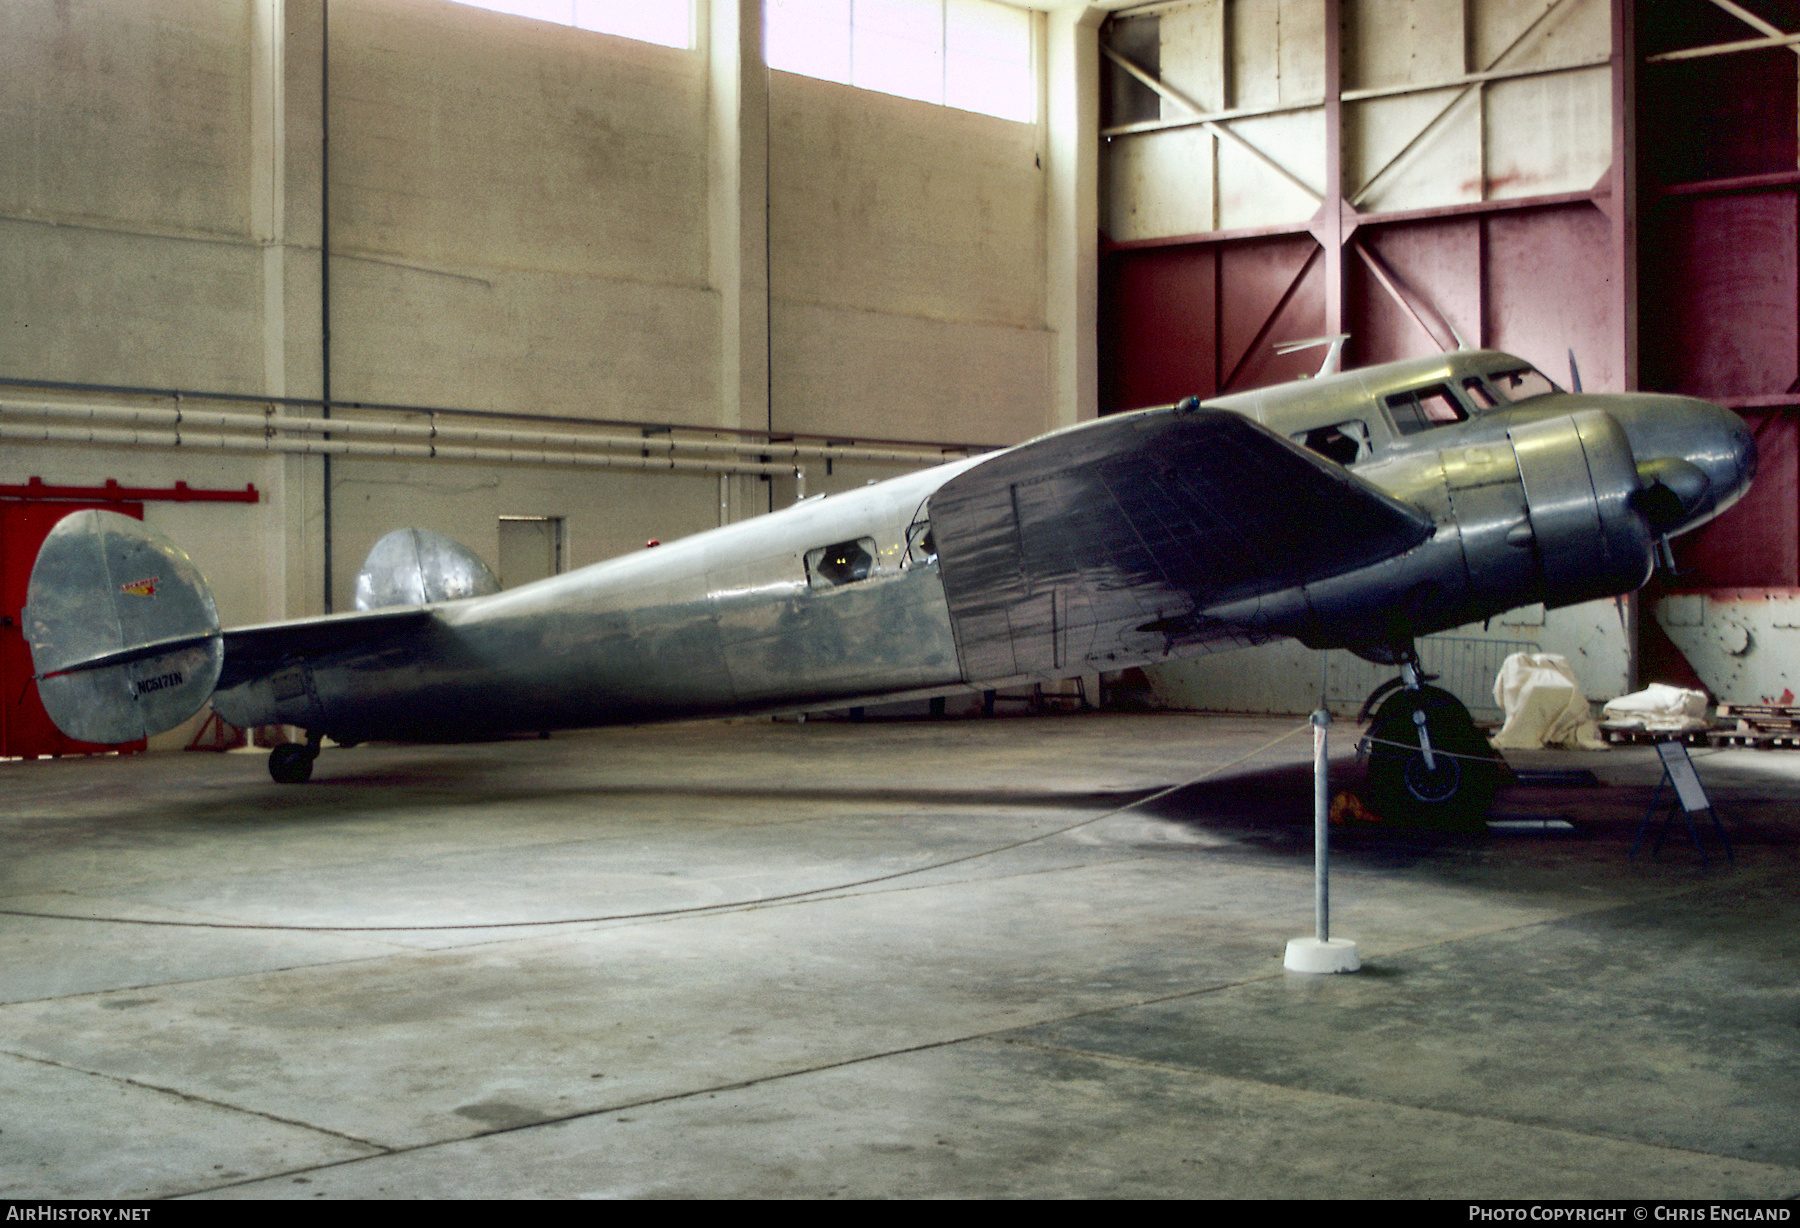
x,y
716,276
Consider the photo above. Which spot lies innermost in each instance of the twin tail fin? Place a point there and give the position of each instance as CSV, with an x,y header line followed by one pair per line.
x,y
123,630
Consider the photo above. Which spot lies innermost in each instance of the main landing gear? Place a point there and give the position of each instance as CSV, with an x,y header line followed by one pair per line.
x,y
1429,766
291,763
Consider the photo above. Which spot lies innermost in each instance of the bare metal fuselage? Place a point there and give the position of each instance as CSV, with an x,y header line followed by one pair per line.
x,y
724,621
1124,541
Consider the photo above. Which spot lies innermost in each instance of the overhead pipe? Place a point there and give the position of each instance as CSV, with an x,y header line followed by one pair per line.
x,y
390,451
192,396
403,430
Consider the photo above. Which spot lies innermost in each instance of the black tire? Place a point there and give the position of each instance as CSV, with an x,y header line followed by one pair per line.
x,y
1455,792
291,763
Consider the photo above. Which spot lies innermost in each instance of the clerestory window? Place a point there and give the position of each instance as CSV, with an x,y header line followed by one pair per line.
x,y
972,54
666,22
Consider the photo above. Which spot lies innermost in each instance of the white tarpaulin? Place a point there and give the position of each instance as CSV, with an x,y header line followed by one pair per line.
x,y
1659,709
1544,705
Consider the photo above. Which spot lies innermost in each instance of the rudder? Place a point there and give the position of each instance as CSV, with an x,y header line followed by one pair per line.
x,y
123,630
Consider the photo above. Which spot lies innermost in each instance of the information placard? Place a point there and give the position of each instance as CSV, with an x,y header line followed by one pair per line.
x,y
1682,775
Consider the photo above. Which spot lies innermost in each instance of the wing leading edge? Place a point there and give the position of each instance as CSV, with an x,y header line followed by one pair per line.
x,y
1113,540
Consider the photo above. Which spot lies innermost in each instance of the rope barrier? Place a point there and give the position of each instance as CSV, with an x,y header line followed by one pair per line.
x,y
729,906
1369,739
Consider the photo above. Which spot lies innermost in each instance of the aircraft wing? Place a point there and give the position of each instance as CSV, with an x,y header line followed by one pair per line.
x,y
1064,549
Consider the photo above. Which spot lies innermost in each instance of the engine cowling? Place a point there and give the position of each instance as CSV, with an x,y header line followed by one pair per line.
x,y
1580,480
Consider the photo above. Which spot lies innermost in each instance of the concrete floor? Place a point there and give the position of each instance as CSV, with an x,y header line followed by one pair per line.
x,y
401,979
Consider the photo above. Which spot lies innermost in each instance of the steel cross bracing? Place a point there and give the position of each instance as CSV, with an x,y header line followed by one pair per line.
x,y
1339,220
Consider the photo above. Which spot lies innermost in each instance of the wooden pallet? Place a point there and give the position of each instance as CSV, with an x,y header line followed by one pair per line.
x,y
1768,718
1759,739
1759,725
1755,739
1645,737
1790,713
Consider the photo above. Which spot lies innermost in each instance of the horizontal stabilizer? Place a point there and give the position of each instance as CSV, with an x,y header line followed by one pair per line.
x,y
251,652
123,631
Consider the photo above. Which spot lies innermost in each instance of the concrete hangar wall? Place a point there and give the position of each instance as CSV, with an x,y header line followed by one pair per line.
x,y
521,218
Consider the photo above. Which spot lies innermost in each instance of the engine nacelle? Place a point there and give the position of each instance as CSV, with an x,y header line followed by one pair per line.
x,y
1544,514
1587,537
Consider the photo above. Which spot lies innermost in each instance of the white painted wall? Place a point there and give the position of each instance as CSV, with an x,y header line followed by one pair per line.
x,y
1743,643
900,230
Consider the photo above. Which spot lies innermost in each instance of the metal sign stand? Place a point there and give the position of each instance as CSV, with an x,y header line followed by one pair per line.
x,y
1321,952
1690,799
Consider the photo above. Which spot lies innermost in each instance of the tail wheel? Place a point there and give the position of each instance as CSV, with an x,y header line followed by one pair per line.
x,y
1452,792
291,763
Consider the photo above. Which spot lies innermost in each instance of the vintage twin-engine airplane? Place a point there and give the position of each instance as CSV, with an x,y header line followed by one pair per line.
x,y
1356,510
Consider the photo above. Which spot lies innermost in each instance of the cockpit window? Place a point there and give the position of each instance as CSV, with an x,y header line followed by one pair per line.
x,y
1425,408
841,563
1480,393
1522,384
921,546
1344,442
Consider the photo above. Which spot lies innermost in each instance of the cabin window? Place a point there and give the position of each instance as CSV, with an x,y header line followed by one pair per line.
x,y
1522,384
921,546
841,563
1425,408
1344,442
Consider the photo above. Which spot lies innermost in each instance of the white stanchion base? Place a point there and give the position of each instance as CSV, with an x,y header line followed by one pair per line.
x,y
1311,955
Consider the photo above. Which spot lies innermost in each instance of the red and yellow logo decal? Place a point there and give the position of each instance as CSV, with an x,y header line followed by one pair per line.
x,y
141,588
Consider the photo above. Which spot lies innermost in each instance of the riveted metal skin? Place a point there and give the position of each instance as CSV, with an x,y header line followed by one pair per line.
x,y
1117,541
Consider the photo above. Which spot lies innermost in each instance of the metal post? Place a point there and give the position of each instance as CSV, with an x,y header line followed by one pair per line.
x,y
1321,827
1321,952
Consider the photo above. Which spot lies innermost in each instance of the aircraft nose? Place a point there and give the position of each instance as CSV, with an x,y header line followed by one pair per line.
x,y
1742,453
1695,459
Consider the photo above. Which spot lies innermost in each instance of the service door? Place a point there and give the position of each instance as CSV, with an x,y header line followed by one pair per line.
x,y
25,729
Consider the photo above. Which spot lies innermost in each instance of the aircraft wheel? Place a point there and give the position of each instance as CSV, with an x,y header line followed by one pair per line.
x,y
291,763
1454,793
